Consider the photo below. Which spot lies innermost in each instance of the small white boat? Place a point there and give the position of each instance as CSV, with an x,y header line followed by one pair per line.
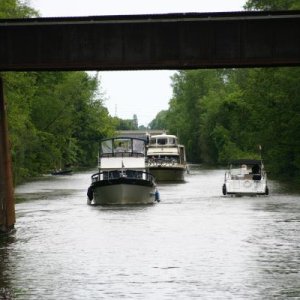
x,y
122,176
245,177
166,159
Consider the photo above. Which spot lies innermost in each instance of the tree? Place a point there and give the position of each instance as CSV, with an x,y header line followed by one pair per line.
x,y
135,122
16,9
124,124
55,118
190,88
160,121
226,114
272,4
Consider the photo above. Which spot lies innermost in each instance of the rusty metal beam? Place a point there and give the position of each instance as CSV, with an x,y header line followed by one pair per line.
x,y
7,206
170,41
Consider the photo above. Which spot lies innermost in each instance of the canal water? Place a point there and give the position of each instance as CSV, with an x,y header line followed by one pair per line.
x,y
194,244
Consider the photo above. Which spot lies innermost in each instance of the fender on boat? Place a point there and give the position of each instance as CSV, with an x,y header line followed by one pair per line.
x,y
224,189
90,193
157,196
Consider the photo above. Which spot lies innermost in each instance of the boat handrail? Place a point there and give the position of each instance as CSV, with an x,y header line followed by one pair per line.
x,y
116,174
163,146
249,176
163,161
123,154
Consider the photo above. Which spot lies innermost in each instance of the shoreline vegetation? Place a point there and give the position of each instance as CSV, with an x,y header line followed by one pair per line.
x,y
223,115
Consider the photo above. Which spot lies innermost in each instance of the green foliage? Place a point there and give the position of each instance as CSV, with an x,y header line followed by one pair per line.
x,y
126,124
226,114
272,4
160,121
190,89
16,9
55,119
142,128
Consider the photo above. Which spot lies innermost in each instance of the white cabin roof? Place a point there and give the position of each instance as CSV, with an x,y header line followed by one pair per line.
x,y
107,163
164,136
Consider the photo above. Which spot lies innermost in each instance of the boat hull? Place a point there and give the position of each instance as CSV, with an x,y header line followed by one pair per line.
x,y
161,173
245,187
123,191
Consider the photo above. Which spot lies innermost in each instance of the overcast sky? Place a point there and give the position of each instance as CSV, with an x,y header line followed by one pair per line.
x,y
143,93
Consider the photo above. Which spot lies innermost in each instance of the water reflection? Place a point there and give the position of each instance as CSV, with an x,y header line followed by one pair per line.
x,y
6,288
194,243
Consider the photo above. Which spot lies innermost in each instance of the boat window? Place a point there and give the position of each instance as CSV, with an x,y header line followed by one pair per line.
x,y
153,141
138,146
122,145
240,170
106,147
172,141
235,171
162,141
256,169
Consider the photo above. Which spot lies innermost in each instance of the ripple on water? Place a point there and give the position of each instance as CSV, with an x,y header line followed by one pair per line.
x,y
194,244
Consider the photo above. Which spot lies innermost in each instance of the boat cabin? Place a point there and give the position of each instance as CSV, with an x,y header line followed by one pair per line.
x,y
163,140
122,153
246,169
164,149
122,147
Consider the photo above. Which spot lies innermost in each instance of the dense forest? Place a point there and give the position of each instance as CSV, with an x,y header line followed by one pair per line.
x,y
221,115
55,118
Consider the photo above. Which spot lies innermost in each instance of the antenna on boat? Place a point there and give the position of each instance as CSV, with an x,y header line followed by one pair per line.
x,y
260,148
123,166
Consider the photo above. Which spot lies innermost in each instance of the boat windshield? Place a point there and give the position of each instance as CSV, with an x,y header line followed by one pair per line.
x,y
244,169
122,145
166,140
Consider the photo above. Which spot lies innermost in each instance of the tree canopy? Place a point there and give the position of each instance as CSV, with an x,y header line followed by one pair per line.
x,y
222,115
272,4
55,118
229,114
16,9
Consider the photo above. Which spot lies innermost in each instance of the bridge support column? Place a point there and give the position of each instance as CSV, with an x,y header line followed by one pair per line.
x,y
7,205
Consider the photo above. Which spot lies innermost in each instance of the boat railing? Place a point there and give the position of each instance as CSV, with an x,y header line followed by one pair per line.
x,y
162,146
229,175
116,174
162,161
123,154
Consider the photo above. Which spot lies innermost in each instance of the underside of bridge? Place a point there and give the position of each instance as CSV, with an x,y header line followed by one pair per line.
x,y
139,42
169,41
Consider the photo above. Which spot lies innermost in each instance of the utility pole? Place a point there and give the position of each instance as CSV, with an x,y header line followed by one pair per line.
x,y
7,205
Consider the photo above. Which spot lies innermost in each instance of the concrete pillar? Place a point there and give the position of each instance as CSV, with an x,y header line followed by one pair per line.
x,y
7,205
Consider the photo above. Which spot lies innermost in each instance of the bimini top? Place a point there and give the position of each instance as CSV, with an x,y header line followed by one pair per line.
x,y
246,162
123,138
119,145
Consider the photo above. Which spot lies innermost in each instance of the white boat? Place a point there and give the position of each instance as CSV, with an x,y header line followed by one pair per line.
x,y
122,176
245,177
166,159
